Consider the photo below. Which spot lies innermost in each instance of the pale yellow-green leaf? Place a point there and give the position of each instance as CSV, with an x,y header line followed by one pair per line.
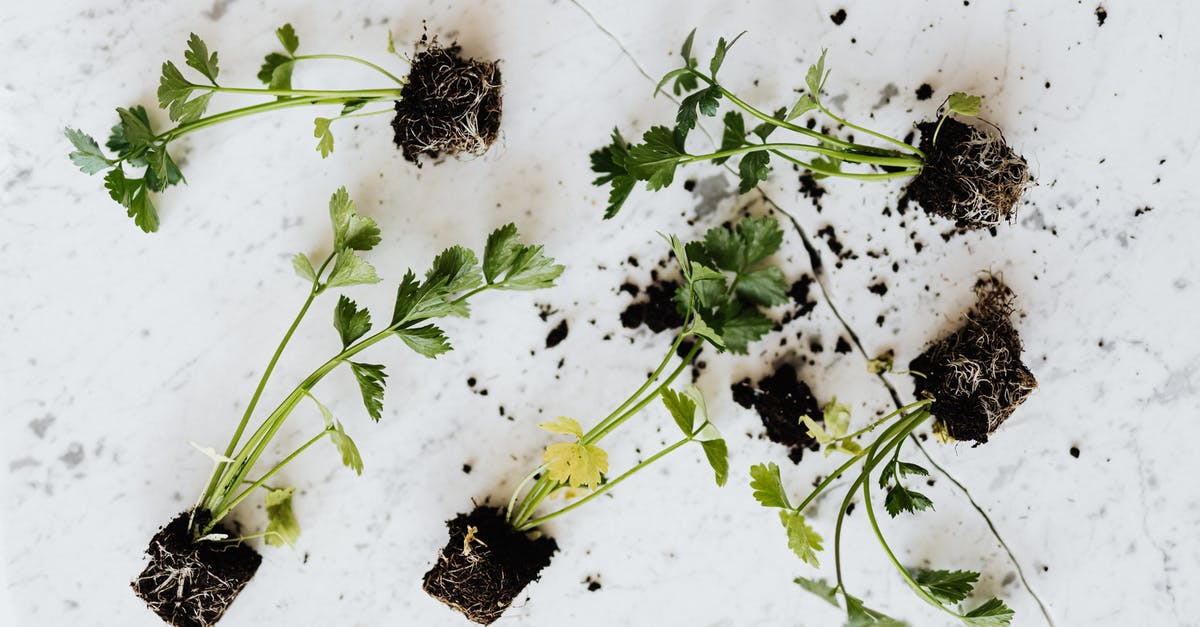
x,y
837,418
816,431
575,464
802,539
563,425
282,527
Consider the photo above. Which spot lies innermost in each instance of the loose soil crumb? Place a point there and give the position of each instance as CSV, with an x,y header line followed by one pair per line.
x,y
878,287
843,347
658,311
482,577
839,17
557,334
593,583
800,295
812,189
1141,210
975,374
924,92
1101,15
970,176
780,400
1075,452
450,105
191,584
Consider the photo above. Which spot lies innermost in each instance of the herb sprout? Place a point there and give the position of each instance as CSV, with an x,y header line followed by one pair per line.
x,y
446,105
977,178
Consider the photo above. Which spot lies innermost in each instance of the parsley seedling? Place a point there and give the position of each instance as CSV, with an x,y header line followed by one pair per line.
x,y
877,462
455,277
754,145
139,164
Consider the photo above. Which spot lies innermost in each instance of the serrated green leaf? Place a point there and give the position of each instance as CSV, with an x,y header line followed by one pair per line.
x,y
685,51
900,499
271,63
87,155
563,425
351,106
575,464
717,455
655,160
674,74
743,328
350,321
858,615
765,286
287,38
134,196
350,269
282,527
734,135
700,272
426,340
718,59
324,136
371,381
948,586
304,268
682,410
803,540
511,265
760,238
198,58
815,78
701,329
453,270
609,164
754,167
703,102
725,248
991,613
907,469
819,588
805,104
135,128
351,458
351,230
281,77
767,486
503,246
965,104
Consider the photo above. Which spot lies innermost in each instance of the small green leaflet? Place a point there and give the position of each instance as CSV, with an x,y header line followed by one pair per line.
x,y
427,340
350,321
743,328
718,457
765,286
820,588
767,486
282,527
609,164
350,230
304,268
134,196
802,539
371,380
701,329
454,269
859,615
350,269
718,59
753,167
287,37
964,104
685,82
682,409
511,265
198,58
734,135
991,613
948,586
805,104
135,129
655,160
323,135
905,469
836,419
704,101
351,458
276,71
753,240
815,78
173,93
899,499
87,155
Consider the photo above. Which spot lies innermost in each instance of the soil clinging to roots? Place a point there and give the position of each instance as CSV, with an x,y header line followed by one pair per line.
x,y
975,374
780,400
970,176
191,584
450,105
486,564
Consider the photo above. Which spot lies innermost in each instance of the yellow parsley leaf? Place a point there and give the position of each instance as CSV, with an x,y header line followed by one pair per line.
x,y
575,464
563,425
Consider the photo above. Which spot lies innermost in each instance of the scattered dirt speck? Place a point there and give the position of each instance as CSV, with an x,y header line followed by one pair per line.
x,y
1075,452
1101,15
839,17
924,92
557,334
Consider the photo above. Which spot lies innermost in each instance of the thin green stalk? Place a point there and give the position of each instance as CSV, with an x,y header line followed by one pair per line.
x,y
861,176
352,94
232,114
896,142
220,513
512,501
901,161
345,57
604,488
650,398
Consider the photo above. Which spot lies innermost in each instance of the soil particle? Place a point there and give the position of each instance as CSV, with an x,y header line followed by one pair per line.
x,y
975,374
557,334
1075,452
812,189
879,288
780,400
486,564
835,245
800,294
970,176
839,18
466,468
843,347
593,583
657,311
1141,210
630,288
924,92
451,105
1101,15
191,584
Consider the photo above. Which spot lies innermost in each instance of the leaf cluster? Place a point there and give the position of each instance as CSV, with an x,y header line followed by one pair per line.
x,y
685,408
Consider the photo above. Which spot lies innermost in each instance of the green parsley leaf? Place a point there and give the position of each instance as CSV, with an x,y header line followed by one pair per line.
x,y
718,59
282,527
760,238
87,155
820,588
563,426
734,136
117,140
350,230
753,167
350,269
899,499
136,131
323,135
510,265
858,615
687,81
350,321
815,78
427,340
705,102
304,268
276,63
351,106
134,196
948,586
609,164
744,328
351,458
991,613
803,540
655,160
718,457
767,486
371,381
682,409
197,57
287,37
575,464
964,104
701,329
805,104
765,286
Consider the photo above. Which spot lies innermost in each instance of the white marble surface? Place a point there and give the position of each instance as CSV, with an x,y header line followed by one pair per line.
x,y
118,348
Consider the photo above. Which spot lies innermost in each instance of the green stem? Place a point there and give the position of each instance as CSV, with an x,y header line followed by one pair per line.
x,y
220,513
604,488
854,157
896,142
512,501
344,57
861,176
232,114
348,94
